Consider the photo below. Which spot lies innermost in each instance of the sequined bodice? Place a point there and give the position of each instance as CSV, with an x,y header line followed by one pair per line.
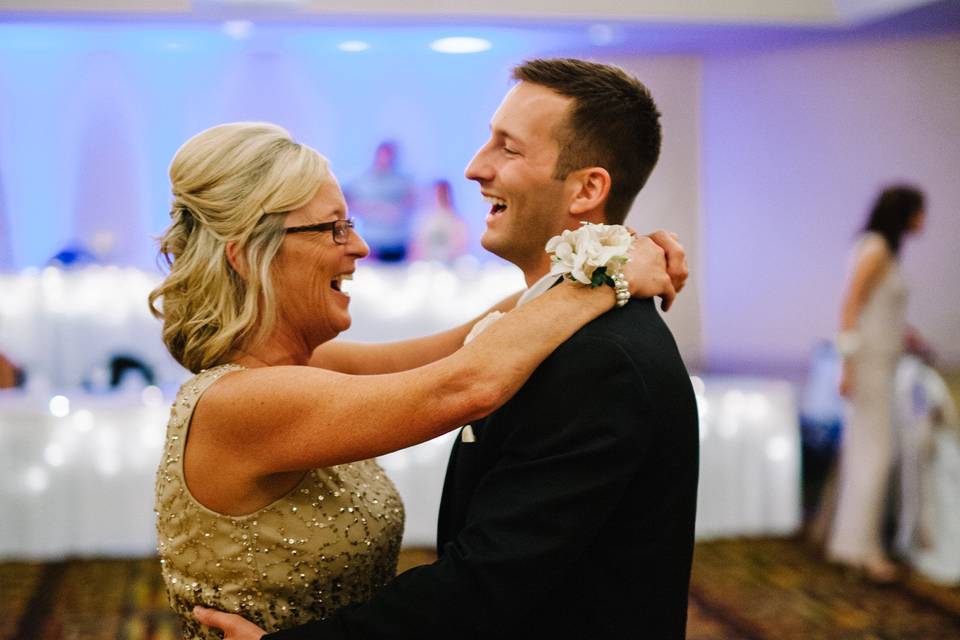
x,y
330,542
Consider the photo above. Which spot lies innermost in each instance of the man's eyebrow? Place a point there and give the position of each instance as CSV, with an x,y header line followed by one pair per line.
x,y
500,131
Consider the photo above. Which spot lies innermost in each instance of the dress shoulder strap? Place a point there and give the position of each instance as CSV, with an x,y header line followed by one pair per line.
x,y
190,392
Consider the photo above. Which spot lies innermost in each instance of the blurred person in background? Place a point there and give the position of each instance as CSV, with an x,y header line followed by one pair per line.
x,y
269,502
9,373
439,233
382,199
871,342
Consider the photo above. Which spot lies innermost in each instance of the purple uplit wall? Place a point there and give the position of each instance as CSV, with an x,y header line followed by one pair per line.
x,y
671,198
771,155
796,144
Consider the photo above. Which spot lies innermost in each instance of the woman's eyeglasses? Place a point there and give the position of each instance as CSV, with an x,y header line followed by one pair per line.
x,y
341,229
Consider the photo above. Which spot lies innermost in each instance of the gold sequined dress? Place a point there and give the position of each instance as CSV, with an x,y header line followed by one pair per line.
x,y
330,542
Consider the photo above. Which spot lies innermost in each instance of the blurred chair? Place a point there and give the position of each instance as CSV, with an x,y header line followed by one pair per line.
x,y
11,376
928,429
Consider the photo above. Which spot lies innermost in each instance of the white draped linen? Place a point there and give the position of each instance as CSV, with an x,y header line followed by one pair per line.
x,y
63,326
77,469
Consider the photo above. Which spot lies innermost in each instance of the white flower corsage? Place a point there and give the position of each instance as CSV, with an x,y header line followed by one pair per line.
x,y
593,255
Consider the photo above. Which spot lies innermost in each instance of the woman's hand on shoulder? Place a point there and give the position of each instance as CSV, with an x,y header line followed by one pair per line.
x,y
675,255
657,267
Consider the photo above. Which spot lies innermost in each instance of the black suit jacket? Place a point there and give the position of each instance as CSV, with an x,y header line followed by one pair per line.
x,y
572,514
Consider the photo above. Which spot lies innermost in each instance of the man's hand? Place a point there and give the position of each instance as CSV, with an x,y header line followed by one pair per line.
x,y
646,272
234,627
675,255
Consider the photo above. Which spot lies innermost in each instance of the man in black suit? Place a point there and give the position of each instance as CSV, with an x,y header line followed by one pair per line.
x,y
569,512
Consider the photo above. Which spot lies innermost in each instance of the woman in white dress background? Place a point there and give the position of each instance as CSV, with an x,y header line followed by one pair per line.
x,y
872,326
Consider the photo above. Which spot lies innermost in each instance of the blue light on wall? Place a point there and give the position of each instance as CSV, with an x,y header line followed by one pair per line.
x,y
92,112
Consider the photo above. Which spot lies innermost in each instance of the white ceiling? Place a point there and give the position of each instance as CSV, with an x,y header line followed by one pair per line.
x,y
770,12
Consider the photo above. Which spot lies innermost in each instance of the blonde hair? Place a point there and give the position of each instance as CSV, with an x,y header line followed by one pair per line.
x,y
231,183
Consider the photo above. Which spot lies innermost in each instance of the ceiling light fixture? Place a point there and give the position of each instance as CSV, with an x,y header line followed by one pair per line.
x,y
460,44
353,46
601,35
238,29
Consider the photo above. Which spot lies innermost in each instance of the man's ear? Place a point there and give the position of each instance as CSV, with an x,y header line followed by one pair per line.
x,y
591,187
237,258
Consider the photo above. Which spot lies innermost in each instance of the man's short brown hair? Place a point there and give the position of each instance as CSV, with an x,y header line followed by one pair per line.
x,y
613,123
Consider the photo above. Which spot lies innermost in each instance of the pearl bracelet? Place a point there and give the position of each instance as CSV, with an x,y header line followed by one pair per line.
x,y
622,288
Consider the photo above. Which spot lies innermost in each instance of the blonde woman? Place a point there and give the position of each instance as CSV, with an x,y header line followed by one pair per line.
x,y
269,503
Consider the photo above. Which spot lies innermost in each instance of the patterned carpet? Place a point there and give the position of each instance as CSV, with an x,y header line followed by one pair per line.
x,y
774,588
742,590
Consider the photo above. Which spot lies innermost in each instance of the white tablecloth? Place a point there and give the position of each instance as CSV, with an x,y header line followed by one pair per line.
x,y
749,457
77,472
63,326
78,482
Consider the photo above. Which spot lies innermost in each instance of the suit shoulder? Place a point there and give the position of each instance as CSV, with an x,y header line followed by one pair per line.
x,y
639,332
637,322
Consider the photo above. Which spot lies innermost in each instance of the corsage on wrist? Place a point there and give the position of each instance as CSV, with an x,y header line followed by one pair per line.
x,y
593,255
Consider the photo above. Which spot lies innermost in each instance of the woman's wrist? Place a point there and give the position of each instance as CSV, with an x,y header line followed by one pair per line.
x,y
603,298
593,256
621,289
847,343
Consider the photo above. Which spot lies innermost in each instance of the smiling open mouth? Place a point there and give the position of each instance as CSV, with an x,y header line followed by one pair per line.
x,y
337,283
497,205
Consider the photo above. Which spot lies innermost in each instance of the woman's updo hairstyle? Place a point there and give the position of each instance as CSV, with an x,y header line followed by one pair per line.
x,y
231,183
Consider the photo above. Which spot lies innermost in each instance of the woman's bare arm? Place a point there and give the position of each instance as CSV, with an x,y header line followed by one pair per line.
x,y
873,260
365,359
870,265
255,430
288,418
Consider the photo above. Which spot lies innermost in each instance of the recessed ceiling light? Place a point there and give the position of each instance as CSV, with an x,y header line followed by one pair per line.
x,y
353,45
238,29
460,44
601,34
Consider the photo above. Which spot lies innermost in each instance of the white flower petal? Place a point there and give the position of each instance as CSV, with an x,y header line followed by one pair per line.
x,y
582,251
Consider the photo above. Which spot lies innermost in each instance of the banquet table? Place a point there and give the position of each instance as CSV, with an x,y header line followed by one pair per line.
x,y
77,471
77,463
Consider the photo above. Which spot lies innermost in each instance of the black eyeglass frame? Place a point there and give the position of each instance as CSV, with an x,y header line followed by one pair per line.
x,y
341,227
